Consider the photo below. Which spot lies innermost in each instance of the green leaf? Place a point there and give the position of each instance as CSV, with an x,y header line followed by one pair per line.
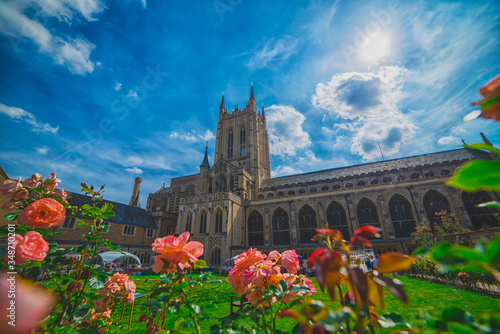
x,y
97,283
458,328
12,216
200,264
492,204
196,309
299,288
453,313
483,146
477,175
158,291
493,250
448,254
283,285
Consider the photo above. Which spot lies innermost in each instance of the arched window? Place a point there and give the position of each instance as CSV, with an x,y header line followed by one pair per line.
x,y
302,191
337,219
189,220
210,185
429,173
218,222
361,183
215,258
255,229
281,194
203,222
374,181
325,188
260,196
281,227
231,182
480,217
335,187
400,178
291,192
164,205
270,195
154,204
230,138
243,141
367,213
444,172
434,203
401,216
307,224
220,182
348,185
313,190
387,180
414,176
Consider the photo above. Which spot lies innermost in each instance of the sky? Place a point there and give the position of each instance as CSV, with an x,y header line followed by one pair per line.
x,y
107,91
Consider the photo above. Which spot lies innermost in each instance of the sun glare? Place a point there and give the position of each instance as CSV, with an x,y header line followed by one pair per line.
x,y
376,48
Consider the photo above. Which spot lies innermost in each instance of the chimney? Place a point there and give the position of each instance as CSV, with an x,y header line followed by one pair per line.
x,y
134,200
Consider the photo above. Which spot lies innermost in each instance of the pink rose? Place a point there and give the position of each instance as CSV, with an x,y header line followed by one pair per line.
x,y
33,181
290,260
44,213
176,252
52,182
30,247
61,193
14,189
239,275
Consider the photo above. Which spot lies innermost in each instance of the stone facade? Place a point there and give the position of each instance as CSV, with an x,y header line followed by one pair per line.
x,y
235,204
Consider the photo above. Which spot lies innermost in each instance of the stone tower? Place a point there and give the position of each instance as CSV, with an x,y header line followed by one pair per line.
x,y
242,139
134,200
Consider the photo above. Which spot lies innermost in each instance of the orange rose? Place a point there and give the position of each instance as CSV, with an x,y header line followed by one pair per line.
x,y
490,104
44,213
31,246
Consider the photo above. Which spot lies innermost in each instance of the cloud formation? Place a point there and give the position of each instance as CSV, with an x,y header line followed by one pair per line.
x,y
134,170
447,140
274,51
73,53
284,126
23,115
369,101
42,150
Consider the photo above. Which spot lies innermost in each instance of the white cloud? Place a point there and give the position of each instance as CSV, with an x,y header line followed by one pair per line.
x,y
118,86
23,115
274,51
448,140
208,135
134,170
42,150
286,135
135,160
132,95
285,170
74,53
309,159
457,130
144,3
368,100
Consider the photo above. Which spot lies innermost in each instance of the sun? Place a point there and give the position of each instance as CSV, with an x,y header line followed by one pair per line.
x,y
376,48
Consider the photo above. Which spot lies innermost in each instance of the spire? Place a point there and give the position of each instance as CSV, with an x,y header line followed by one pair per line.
x,y
252,97
134,200
222,103
485,140
263,114
205,159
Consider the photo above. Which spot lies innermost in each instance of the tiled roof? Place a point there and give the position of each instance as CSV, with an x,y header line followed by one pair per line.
x,y
375,167
124,214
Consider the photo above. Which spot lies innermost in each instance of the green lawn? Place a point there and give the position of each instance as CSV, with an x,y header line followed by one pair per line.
x,y
424,297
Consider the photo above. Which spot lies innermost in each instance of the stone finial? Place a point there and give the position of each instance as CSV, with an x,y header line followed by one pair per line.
x,y
134,200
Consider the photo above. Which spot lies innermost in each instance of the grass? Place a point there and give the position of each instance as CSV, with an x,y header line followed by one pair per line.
x,y
424,296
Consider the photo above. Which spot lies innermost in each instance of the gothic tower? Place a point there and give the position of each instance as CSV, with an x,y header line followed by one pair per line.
x,y
242,139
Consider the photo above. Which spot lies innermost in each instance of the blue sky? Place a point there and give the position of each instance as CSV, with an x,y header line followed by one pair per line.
x,y
105,91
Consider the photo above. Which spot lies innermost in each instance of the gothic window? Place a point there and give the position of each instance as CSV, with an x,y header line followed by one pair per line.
x,y
189,220
401,216
281,194
400,178
302,191
243,141
154,204
387,180
218,222
216,257
361,183
348,185
260,196
203,222
325,188
337,219
480,217
374,181
220,182
291,192
255,229
164,205
429,173
445,172
270,195
281,228
231,182
307,224
434,203
367,213
210,185
335,187
313,190
414,176
230,136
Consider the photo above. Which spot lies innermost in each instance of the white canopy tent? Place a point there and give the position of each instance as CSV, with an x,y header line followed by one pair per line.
x,y
108,257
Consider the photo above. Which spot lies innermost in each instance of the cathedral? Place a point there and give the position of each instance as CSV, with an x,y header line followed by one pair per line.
x,y
236,204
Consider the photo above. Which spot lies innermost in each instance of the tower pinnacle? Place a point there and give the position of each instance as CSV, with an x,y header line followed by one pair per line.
x,y
205,159
252,97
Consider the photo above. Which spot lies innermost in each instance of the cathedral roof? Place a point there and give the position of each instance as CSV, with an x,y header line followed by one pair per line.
x,y
162,190
124,214
375,167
